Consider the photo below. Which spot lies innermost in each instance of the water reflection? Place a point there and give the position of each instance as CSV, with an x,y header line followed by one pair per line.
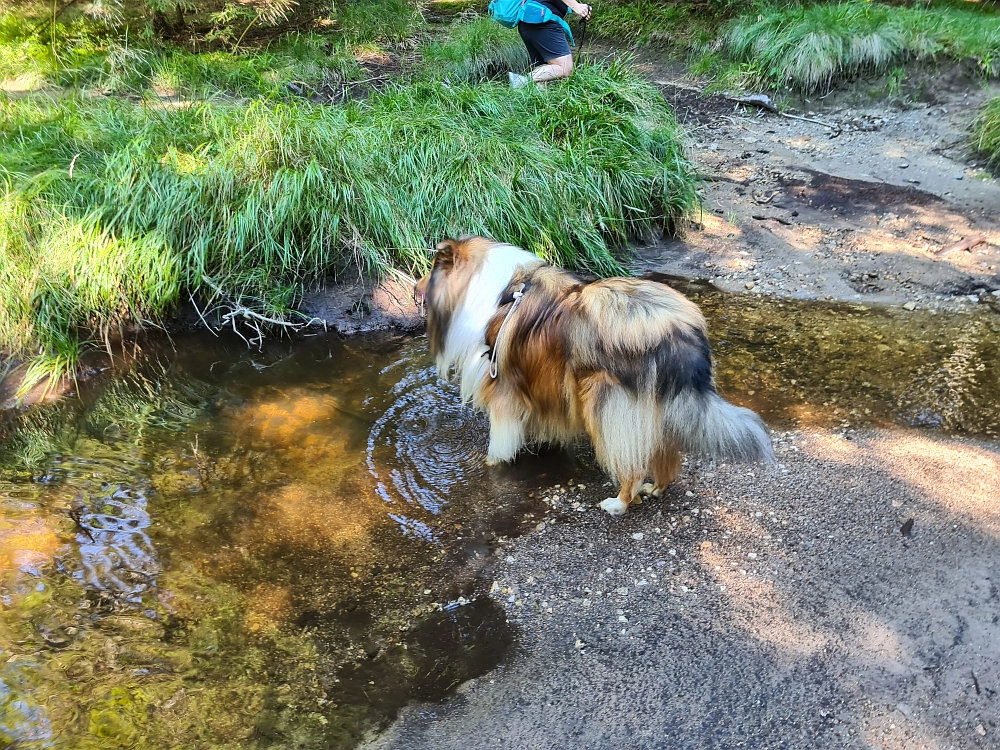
x,y
23,723
115,551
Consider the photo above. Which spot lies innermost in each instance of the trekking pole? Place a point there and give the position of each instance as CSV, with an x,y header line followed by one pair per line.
x,y
583,36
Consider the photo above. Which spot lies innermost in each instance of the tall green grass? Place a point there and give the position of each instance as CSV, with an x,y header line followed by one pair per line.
x,y
262,198
125,56
475,48
654,21
987,131
810,46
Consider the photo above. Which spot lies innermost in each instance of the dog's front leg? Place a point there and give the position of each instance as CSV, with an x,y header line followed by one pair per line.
x,y
506,437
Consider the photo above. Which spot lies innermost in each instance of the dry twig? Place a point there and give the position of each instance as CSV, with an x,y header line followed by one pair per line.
x,y
966,244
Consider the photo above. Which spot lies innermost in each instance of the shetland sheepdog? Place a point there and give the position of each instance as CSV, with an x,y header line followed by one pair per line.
x,y
550,357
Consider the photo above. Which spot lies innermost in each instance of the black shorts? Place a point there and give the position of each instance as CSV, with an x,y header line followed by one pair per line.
x,y
545,41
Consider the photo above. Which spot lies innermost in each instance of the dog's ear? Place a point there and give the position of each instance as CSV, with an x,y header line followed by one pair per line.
x,y
446,254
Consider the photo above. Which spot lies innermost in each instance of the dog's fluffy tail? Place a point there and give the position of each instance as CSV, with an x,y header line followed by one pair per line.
x,y
706,424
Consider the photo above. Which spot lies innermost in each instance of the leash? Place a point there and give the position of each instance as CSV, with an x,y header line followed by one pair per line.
x,y
494,368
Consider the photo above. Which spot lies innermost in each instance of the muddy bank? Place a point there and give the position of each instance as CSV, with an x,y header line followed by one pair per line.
x,y
347,308
847,597
871,202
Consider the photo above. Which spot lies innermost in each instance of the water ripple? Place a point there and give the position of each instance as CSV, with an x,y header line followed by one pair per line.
x,y
115,551
432,440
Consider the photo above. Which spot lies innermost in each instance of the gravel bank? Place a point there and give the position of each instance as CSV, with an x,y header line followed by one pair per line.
x,y
790,607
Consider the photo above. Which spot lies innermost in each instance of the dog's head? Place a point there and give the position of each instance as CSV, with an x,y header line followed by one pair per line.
x,y
443,289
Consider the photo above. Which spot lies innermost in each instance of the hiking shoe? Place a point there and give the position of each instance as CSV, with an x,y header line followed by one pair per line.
x,y
517,81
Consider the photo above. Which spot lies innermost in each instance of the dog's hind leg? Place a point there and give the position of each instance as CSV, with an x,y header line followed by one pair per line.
x,y
506,436
617,506
666,468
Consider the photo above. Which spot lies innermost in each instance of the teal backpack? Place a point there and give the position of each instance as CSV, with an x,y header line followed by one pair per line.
x,y
509,12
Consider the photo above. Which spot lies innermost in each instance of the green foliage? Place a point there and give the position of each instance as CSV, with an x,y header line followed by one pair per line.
x,y
649,21
810,46
987,131
380,21
474,50
122,53
264,73
261,198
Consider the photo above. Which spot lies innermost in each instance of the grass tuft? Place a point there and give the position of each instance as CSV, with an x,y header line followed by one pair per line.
x,y
264,197
474,49
653,21
987,131
810,46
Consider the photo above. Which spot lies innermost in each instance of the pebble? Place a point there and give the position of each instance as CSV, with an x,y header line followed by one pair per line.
x,y
981,730
637,537
995,292
622,591
910,306
904,165
749,285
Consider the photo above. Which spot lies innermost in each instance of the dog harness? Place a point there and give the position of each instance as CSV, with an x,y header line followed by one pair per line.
x,y
494,367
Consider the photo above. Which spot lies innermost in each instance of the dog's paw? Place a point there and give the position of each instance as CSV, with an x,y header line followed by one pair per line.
x,y
495,461
647,489
614,506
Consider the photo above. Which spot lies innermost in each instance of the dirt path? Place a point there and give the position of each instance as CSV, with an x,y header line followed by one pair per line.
x,y
858,211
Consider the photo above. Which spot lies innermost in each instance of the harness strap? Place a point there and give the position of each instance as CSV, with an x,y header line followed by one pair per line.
x,y
494,367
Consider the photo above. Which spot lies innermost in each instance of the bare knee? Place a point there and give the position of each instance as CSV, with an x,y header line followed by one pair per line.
x,y
560,67
564,65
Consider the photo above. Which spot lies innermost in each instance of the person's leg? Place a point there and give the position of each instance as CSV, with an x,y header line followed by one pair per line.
x,y
527,33
548,48
560,67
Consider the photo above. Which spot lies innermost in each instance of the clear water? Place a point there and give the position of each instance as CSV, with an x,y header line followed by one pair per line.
x,y
228,548
241,549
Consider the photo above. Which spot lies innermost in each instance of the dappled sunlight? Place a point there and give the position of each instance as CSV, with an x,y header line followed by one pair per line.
x,y
756,607
268,607
960,478
26,546
831,447
973,475
719,226
23,84
750,565
803,239
316,518
296,416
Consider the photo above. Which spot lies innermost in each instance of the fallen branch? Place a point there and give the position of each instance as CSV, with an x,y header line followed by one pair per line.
x,y
965,244
678,85
836,128
758,100
249,318
773,218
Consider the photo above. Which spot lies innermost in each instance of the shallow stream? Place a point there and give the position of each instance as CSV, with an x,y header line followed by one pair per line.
x,y
232,548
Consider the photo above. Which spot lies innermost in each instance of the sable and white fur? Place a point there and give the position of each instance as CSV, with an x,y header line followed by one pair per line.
x,y
626,361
